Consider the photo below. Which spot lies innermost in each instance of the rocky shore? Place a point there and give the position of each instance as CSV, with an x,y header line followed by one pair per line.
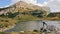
x,y
34,32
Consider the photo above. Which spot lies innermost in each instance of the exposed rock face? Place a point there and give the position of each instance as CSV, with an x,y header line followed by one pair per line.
x,y
23,6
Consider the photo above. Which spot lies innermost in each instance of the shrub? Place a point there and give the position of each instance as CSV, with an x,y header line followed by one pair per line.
x,y
51,15
12,15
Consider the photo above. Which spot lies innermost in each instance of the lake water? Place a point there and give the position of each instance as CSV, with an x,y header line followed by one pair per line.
x,y
32,25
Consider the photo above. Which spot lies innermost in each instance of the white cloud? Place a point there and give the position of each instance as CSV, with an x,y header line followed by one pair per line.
x,y
28,1
45,3
55,6
51,0
39,4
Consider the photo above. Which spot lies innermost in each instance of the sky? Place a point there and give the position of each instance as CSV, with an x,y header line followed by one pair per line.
x,y
53,4
4,2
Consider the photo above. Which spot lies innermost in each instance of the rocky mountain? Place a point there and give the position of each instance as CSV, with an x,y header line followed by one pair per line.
x,y
23,7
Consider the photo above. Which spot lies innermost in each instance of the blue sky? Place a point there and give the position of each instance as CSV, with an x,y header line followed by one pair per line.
x,y
4,2
53,4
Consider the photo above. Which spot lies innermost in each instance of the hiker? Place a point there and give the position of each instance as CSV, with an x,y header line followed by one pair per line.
x,y
43,29
44,24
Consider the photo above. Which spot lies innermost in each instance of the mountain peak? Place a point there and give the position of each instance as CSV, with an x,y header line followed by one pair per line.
x,y
23,6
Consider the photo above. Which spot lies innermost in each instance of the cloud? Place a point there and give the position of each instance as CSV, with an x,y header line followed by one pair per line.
x,y
28,1
51,0
59,0
43,4
54,5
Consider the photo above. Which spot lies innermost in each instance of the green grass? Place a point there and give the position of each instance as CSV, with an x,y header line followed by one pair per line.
x,y
2,33
26,17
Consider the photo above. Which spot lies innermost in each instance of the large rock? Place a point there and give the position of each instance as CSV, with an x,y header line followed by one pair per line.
x,y
51,27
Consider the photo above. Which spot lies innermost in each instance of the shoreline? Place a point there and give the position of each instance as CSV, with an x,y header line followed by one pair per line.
x,y
9,27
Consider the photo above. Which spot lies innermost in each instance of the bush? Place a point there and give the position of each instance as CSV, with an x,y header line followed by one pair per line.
x,y
12,15
37,13
51,15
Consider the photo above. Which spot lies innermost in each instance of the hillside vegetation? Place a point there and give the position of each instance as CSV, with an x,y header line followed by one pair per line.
x,y
53,16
